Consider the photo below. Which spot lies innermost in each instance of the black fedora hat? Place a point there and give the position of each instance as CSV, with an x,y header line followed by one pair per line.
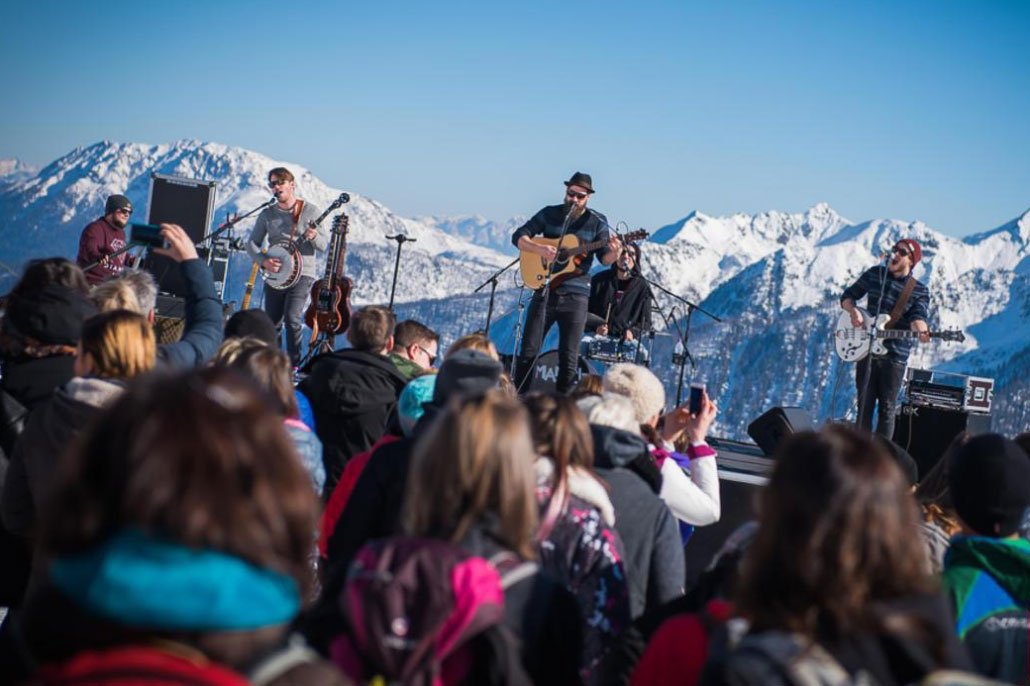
x,y
582,180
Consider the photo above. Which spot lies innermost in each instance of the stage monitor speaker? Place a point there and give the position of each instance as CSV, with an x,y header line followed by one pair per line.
x,y
190,203
925,432
776,424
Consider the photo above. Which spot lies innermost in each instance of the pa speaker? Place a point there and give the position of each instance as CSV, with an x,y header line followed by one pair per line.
x,y
926,432
190,203
776,424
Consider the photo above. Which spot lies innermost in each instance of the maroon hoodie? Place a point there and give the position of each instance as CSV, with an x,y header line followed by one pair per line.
x,y
98,239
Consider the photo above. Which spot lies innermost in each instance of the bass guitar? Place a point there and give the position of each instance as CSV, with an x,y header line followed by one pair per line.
x,y
534,267
329,311
852,344
287,251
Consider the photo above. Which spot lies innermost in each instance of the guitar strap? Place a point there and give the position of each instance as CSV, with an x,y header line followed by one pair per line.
x,y
899,306
298,207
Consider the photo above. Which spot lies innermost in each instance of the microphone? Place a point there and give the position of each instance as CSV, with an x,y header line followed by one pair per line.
x,y
274,200
401,238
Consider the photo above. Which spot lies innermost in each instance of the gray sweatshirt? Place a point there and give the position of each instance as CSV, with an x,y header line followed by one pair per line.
x,y
275,225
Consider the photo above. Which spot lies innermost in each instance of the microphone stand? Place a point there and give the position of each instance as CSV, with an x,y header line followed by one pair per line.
x,y
400,238
684,335
493,289
867,374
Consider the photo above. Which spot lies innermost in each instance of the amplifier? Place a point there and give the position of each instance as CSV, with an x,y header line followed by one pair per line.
x,y
926,394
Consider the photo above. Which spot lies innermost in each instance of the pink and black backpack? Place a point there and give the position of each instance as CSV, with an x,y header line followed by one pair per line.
x,y
422,612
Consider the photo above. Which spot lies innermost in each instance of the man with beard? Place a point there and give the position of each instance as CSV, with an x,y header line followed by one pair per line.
x,y
878,377
278,223
620,300
566,303
104,237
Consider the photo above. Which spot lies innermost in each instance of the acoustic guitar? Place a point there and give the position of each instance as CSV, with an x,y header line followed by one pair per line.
x,y
570,256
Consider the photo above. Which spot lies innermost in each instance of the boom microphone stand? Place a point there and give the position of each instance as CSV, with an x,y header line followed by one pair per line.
x,y
493,288
400,238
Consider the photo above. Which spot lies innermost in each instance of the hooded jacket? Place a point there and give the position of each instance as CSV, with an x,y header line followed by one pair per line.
x,y
584,552
50,429
352,393
988,580
655,567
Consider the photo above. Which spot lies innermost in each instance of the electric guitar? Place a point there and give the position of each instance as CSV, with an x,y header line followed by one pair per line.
x,y
250,286
852,344
570,255
329,312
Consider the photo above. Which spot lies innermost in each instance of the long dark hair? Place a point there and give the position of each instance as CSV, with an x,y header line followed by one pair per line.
x,y
836,536
561,433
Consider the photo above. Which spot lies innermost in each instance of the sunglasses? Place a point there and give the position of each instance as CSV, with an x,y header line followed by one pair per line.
x,y
898,250
575,194
431,356
277,183
124,212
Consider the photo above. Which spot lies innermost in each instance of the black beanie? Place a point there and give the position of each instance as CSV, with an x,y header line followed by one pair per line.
x,y
253,323
466,371
990,484
53,315
116,202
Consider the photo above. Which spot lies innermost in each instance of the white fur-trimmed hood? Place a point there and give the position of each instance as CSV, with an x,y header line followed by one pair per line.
x,y
582,484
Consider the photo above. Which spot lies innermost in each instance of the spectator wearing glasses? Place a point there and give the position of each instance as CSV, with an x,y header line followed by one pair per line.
x,y
276,223
104,237
566,304
884,286
415,348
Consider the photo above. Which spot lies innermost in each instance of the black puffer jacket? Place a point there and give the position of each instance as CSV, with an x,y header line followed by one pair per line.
x,y
655,567
352,394
51,428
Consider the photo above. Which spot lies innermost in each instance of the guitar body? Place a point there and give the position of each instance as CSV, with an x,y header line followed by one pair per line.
x,y
534,267
329,311
292,263
852,344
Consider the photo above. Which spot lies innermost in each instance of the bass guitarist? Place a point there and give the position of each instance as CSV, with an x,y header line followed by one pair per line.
x,y
891,290
290,216
566,303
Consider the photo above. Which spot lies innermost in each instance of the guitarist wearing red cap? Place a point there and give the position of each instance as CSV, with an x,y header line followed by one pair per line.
x,y
890,290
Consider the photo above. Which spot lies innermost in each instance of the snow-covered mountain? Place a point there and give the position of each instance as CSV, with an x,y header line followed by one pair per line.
x,y
45,213
774,277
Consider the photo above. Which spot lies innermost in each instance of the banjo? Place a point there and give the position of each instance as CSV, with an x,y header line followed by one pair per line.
x,y
287,251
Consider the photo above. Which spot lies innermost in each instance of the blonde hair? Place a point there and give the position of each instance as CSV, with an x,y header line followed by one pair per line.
x,y
115,294
473,341
231,348
120,343
476,459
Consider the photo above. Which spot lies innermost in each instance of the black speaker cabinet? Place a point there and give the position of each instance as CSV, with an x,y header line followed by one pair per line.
x,y
925,432
190,203
776,424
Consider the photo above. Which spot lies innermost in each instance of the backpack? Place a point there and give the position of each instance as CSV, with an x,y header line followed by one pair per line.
x,y
423,612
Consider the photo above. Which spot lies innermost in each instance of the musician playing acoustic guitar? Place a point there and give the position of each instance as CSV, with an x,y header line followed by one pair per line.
x,y
567,301
276,223
885,374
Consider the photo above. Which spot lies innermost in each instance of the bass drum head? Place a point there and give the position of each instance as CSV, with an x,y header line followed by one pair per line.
x,y
544,377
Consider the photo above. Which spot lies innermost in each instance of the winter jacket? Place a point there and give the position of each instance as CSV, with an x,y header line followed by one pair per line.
x,y
408,369
584,552
692,499
51,428
99,238
631,310
988,580
352,393
202,331
309,448
655,567
31,380
883,659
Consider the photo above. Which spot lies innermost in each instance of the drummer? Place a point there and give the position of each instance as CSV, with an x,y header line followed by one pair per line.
x,y
620,299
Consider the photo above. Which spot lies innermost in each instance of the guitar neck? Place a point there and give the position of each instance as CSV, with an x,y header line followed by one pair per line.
x,y
896,334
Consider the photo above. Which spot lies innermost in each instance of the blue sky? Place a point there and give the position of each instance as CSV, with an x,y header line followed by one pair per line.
x,y
910,110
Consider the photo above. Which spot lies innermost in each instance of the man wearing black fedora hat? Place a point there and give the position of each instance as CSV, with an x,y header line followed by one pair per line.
x,y
564,302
